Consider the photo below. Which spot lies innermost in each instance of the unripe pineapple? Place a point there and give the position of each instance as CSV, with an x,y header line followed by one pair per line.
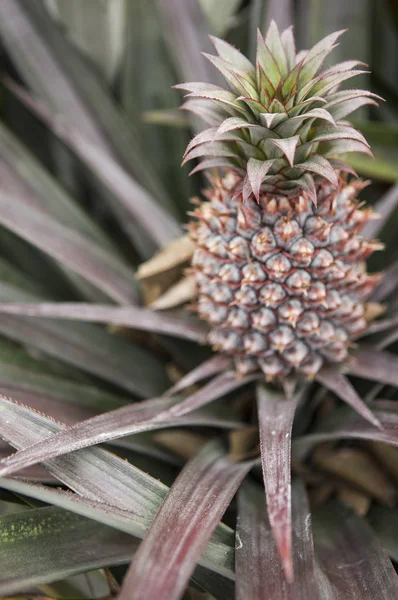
x,y
279,258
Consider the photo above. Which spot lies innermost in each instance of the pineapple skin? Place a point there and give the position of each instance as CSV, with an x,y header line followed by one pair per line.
x,y
282,281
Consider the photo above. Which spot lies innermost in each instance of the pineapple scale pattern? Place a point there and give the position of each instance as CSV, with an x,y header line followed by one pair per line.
x,y
281,280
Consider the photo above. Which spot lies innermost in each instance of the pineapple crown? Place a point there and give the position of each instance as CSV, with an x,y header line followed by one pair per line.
x,y
282,122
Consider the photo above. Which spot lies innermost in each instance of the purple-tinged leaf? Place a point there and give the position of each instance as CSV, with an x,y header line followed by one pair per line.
x,y
374,365
334,380
351,557
235,123
218,552
49,544
232,55
380,325
156,413
222,149
129,501
216,364
384,522
211,163
315,57
212,134
275,415
259,575
388,283
384,207
34,474
134,317
346,423
319,165
205,109
66,81
288,147
183,524
256,171
69,248
340,165
341,146
187,34
328,133
136,203
316,113
343,109
92,350
327,82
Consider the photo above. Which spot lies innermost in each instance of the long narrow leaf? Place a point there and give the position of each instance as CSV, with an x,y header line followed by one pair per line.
x,y
135,201
384,208
22,172
182,526
375,366
93,350
69,248
218,552
186,33
388,283
58,75
335,381
384,521
275,415
345,423
48,544
259,575
351,556
212,366
143,416
137,318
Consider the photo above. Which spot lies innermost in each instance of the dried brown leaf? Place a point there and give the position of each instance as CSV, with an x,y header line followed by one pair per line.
x,y
180,293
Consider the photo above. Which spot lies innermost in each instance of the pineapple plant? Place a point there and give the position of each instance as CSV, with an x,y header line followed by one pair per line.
x,y
265,469
279,257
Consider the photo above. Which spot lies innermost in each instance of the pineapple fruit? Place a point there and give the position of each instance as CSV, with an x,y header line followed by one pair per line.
x,y
279,261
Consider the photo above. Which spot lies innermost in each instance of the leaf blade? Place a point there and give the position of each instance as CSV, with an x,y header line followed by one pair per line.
x,y
209,478
275,414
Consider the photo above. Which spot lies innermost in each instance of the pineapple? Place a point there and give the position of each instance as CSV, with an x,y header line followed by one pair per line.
x,y
279,258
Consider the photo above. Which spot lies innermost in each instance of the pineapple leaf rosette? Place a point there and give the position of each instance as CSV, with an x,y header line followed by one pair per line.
x,y
279,257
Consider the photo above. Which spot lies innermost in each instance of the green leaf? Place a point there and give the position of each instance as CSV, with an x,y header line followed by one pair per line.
x,y
128,503
150,101
219,14
95,29
48,544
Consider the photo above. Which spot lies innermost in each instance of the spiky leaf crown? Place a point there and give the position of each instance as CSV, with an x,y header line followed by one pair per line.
x,y
282,123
